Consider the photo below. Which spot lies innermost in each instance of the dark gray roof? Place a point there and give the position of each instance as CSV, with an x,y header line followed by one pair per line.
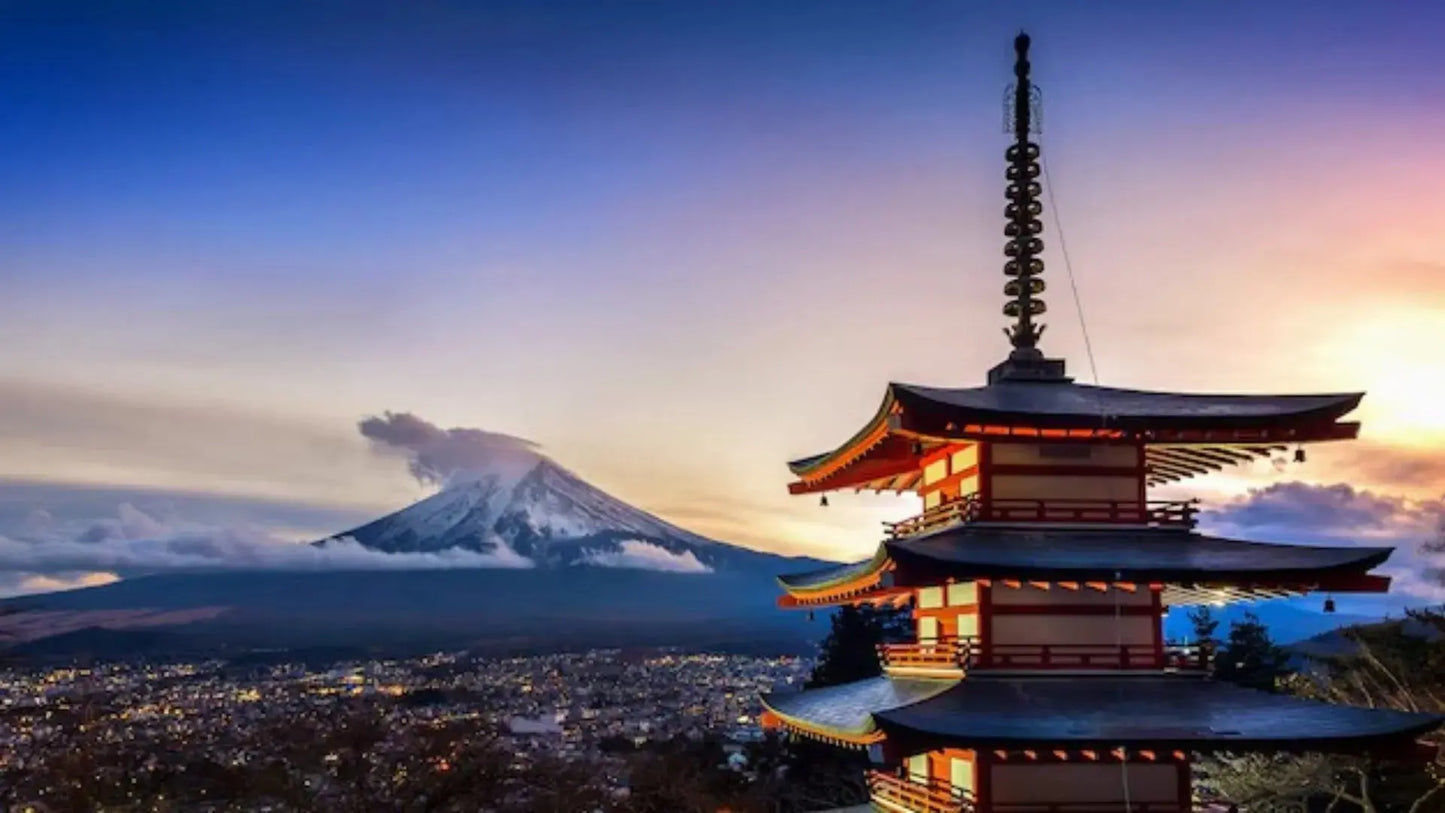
x,y
849,707
1156,554
1142,711
1063,404
1084,403
1162,554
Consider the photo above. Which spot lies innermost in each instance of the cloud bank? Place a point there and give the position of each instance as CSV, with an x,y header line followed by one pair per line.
x,y
1341,514
436,456
637,554
134,543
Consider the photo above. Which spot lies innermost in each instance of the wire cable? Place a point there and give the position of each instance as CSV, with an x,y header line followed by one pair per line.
x,y
1068,265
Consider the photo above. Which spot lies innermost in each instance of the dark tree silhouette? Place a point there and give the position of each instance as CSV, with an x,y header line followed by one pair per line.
x,y
1250,657
850,652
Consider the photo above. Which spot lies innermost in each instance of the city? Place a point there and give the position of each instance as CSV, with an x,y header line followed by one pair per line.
x,y
133,734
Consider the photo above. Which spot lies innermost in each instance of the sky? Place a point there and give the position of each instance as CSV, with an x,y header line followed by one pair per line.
x,y
677,244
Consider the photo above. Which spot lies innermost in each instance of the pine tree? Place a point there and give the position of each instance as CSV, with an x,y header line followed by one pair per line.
x,y
850,652
1250,657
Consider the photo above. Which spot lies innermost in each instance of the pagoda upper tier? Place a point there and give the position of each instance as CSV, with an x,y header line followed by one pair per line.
x,y
1181,434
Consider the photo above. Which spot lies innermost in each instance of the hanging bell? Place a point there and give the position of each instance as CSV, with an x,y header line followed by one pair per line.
x,y
810,615
1299,454
823,501
1329,604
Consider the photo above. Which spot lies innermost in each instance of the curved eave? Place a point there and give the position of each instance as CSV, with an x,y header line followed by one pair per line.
x,y
833,736
1066,411
1192,714
845,713
844,584
1168,557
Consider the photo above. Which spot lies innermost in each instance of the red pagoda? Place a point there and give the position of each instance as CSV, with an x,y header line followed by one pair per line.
x,y
1039,571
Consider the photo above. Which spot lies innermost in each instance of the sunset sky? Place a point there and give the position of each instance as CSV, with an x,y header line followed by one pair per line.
x,y
677,244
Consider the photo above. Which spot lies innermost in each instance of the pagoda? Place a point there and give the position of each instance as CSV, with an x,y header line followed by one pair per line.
x,y
1039,572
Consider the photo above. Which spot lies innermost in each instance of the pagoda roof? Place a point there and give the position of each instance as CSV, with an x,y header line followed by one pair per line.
x,y
1170,556
1136,555
1089,712
1191,713
846,710
1060,409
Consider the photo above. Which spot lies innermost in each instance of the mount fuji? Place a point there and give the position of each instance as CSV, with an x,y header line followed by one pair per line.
x,y
531,558
538,514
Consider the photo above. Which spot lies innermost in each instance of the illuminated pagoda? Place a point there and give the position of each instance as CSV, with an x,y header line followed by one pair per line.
x,y
1039,571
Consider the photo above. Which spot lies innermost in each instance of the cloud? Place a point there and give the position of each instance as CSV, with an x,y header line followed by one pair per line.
x,y
637,554
134,542
1341,514
436,455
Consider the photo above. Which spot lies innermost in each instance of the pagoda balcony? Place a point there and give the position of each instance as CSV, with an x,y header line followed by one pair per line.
x,y
1093,807
944,655
1149,513
899,793
956,656
1028,657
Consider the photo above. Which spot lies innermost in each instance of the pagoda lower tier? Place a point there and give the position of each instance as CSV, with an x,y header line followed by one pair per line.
x,y
1060,744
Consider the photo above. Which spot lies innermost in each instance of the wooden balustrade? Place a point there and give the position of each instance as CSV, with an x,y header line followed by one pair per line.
x,y
939,653
1091,807
963,654
1088,656
927,796
1151,513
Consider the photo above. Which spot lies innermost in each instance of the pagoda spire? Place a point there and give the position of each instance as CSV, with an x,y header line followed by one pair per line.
x,y
1024,266
1023,248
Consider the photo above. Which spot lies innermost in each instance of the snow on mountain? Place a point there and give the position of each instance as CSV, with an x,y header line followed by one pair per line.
x,y
538,510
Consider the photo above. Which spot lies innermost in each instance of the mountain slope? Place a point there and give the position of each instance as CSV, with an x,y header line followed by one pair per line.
x,y
549,516
595,572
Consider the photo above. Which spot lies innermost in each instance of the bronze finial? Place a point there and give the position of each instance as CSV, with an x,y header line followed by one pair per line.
x,y
1024,265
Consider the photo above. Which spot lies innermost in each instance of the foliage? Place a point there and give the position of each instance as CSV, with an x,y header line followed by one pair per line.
x,y
1398,665
850,651
1249,657
1205,625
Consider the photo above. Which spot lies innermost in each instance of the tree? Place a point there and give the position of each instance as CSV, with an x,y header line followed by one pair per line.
x,y
1204,623
850,651
1250,657
1398,665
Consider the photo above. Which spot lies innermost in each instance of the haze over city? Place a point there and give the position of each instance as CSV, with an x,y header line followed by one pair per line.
x,y
674,246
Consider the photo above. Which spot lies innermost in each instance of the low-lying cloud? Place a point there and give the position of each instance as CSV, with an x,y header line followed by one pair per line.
x,y
637,554
134,542
436,455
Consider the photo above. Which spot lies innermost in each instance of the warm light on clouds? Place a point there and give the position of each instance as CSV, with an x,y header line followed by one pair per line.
x,y
697,246
1398,355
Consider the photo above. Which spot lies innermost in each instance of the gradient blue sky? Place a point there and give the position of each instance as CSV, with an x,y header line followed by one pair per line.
x,y
680,243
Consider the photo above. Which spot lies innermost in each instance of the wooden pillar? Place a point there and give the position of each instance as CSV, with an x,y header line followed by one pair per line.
x,y
983,781
1185,789
1143,481
985,623
1156,607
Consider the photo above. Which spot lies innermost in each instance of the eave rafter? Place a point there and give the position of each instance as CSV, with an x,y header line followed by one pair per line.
x,y
847,739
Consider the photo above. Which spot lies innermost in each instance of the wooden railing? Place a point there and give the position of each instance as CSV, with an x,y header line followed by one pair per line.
x,y
1089,656
1091,807
930,796
1151,513
940,653
968,653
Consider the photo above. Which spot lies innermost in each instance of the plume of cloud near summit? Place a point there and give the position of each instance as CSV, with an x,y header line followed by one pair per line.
x,y
438,456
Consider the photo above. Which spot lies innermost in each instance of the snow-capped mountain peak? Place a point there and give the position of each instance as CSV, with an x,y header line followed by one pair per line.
x,y
540,511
